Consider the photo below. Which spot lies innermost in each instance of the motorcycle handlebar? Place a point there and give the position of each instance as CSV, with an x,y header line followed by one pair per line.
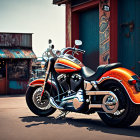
x,y
79,50
63,51
71,49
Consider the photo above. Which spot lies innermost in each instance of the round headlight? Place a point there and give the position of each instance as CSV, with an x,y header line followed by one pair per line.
x,y
42,64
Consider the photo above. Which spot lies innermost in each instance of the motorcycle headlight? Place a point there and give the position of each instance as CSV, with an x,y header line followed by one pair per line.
x,y
42,65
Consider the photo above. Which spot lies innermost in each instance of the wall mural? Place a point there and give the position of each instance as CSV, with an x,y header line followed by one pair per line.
x,y
104,31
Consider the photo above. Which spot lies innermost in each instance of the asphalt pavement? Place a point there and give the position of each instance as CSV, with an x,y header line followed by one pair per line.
x,y
17,122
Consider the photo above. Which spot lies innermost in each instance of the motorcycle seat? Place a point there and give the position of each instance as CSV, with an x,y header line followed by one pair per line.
x,y
90,75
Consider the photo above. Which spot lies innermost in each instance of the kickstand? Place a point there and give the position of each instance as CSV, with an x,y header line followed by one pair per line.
x,y
62,115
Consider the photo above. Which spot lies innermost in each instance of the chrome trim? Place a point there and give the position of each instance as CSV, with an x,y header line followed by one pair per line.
x,y
94,83
54,104
76,76
68,98
47,74
110,107
61,76
80,95
95,106
105,105
99,93
87,85
108,77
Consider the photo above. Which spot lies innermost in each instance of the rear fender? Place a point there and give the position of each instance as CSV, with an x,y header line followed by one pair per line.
x,y
122,75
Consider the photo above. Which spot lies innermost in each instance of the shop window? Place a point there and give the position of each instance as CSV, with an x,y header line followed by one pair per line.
x,y
18,69
2,69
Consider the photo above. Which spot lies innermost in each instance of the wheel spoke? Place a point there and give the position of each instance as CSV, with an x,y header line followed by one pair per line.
x,y
43,105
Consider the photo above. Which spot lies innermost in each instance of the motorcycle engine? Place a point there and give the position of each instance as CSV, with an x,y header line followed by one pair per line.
x,y
62,79
75,82
72,85
72,82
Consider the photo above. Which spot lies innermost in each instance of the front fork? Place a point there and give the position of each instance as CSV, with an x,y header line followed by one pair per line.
x,y
52,101
46,79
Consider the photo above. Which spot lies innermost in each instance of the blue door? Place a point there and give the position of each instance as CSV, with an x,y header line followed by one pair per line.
x,y
89,34
129,34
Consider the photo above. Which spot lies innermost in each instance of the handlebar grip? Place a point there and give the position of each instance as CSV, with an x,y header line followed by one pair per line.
x,y
83,51
79,50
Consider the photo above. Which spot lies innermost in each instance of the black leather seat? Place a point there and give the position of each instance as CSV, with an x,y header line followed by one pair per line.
x,y
90,75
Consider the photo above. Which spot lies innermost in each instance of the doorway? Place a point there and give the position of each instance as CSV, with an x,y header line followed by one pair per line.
x,y
89,34
129,34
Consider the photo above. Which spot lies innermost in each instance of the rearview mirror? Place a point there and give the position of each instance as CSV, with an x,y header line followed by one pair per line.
x,y
78,42
52,46
49,41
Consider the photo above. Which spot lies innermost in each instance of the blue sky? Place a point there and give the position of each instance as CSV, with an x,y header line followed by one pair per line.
x,y
39,17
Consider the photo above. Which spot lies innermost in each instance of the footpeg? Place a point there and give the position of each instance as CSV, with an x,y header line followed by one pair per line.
x,y
54,104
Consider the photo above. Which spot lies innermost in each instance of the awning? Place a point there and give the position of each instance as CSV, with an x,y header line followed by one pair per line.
x,y
17,53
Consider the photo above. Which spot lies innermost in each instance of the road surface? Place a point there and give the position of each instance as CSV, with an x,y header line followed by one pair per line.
x,y
17,122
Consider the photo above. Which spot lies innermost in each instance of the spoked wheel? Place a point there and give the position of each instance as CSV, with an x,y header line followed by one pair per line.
x,y
127,111
38,107
43,105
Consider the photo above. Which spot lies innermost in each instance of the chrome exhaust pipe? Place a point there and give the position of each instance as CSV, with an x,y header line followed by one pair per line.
x,y
107,106
54,104
100,93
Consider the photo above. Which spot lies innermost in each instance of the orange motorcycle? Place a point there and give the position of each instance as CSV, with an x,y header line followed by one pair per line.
x,y
69,86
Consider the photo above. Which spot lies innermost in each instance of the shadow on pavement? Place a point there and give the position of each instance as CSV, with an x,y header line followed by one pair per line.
x,y
91,125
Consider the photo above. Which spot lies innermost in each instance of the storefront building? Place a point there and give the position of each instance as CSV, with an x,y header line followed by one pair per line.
x,y
15,62
109,29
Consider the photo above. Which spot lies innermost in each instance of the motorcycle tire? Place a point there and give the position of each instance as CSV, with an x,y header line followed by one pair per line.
x,y
35,105
128,111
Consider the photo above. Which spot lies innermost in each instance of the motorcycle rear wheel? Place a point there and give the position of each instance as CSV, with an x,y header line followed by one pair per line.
x,y
127,112
35,105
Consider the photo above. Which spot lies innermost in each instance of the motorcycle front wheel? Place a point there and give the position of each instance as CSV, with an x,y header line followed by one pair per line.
x,y
127,112
38,107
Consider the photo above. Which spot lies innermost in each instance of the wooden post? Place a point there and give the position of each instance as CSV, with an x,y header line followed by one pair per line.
x,y
6,79
113,31
68,25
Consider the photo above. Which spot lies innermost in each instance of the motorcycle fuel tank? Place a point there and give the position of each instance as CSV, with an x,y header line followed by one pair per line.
x,y
66,64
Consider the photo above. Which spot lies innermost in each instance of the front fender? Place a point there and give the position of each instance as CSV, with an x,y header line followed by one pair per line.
x,y
37,82
40,82
122,75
